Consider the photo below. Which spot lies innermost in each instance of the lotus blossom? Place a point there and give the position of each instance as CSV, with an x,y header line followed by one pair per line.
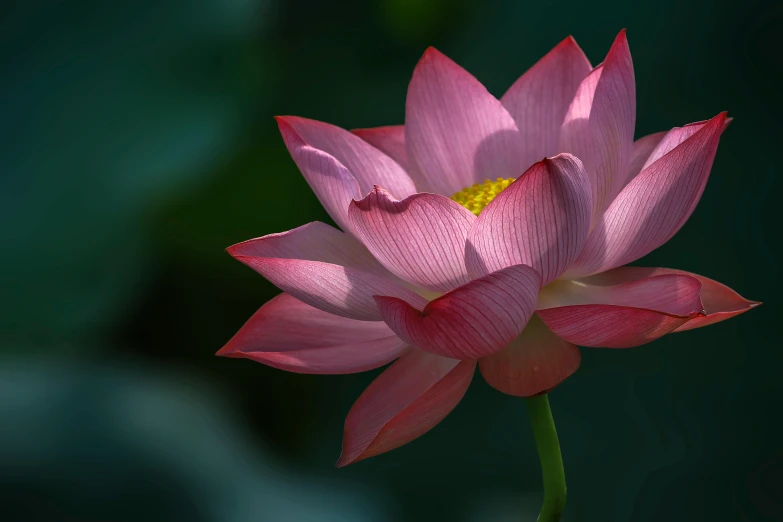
x,y
460,246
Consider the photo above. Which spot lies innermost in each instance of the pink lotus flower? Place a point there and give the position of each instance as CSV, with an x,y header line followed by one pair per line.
x,y
441,269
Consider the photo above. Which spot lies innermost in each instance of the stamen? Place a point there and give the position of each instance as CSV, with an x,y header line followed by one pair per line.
x,y
478,196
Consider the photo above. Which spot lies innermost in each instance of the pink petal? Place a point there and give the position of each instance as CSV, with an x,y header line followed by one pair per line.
x,y
456,132
654,206
539,99
323,267
290,335
599,125
587,313
642,148
541,220
331,182
720,301
421,238
473,321
653,147
403,403
390,140
534,363
366,163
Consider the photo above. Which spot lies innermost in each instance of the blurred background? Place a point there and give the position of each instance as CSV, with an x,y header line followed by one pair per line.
x,y
137,142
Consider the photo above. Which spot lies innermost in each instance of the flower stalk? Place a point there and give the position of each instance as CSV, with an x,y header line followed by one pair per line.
x,y
548,447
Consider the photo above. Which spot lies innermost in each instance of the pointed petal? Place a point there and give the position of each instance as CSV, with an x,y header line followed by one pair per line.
x,y
539,99
456,132
619,316
654,206
720,302
421,238
324,268
390,140
403,403
534,363
473,321
368,165
599,125
331,182
290,335
541,220
642,148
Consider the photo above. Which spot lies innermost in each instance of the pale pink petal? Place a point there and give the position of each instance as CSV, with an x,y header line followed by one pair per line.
x,y
473,321
323,267
654,206
421,238
390,140
599,125
720,302
534,363
331,182
290,335
456,132
541,220
642,148
622,315
367,164
403,403
539,99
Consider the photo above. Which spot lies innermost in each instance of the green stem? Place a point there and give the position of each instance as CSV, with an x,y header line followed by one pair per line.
x,y
551,460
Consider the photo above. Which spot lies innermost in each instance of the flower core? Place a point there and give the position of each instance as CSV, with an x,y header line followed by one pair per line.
x,y
478,196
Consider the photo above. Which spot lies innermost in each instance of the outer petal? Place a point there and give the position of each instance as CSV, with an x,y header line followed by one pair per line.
x,y
539,99
541,220
599,125
642,148
390,140
331,182
654,206
290,335
403,403
534,363
720,302
473,321
421,239
456,132
367,164
323,267
620,316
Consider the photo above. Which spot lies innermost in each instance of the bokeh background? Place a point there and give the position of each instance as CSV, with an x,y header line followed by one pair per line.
x,y
137,142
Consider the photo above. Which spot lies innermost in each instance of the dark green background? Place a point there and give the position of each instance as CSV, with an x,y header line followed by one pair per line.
x,y
137,142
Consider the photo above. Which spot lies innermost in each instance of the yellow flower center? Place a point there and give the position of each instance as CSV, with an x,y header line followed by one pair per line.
x,y
478,196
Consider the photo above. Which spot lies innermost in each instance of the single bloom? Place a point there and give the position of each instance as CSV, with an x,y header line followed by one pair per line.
x,y
460,246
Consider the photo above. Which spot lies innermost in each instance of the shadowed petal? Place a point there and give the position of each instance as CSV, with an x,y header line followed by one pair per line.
x,y
421,238
403,403
599,125
472,321
390,140
331,182
323,267
534,363
368,165
290,335
720,302
456,132
539,99
541,220
619,316
653,206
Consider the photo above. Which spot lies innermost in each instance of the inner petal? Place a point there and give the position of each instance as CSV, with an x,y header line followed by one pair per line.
x,y
476,197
